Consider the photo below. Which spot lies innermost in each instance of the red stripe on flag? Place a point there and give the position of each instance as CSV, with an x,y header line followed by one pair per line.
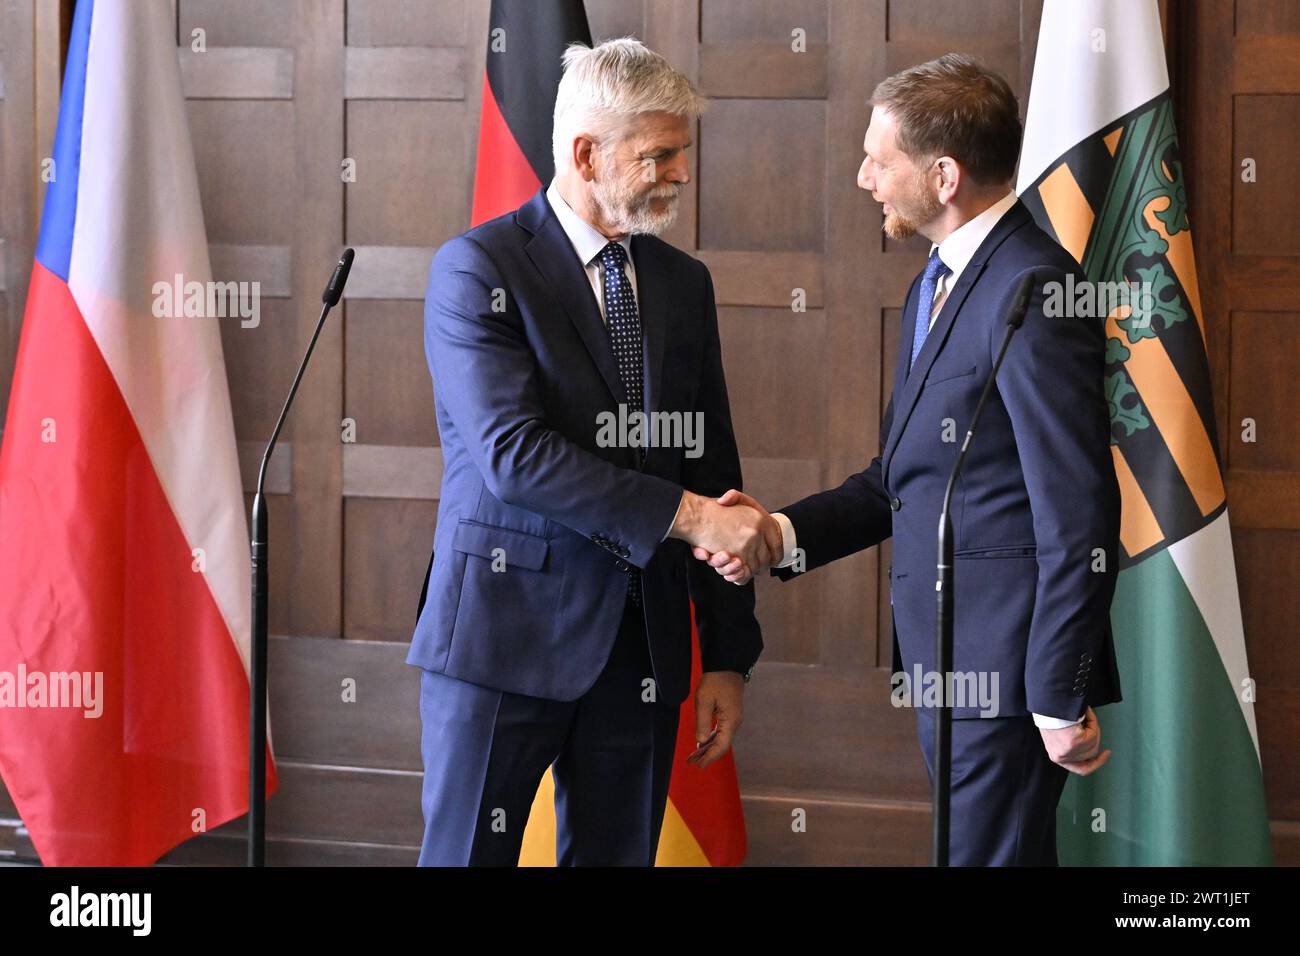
x,y
95,575
503,178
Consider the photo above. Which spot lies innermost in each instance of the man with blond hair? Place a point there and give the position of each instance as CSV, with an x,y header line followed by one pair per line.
x,y
557,627
1036,511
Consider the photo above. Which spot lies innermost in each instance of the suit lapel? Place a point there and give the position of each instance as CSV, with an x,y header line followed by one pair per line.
x,y
553,255
907,393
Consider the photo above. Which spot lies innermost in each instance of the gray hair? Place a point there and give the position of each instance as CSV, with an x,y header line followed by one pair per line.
x,y
606,85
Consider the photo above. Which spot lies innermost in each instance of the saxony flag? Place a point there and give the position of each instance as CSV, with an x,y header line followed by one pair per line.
x,y
1100,170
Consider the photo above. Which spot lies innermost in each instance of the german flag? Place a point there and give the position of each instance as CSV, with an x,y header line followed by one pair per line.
x,y
1100,169
703,822
526,39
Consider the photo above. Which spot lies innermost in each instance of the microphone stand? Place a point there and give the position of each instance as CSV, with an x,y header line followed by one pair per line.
x,y
260,559
943,586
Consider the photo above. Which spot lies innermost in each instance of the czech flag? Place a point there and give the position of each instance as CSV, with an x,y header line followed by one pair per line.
x,y
124,551
704,824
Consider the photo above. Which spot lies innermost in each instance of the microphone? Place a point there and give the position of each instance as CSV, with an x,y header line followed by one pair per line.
x,y
261,590
1015,318
943,588
339,279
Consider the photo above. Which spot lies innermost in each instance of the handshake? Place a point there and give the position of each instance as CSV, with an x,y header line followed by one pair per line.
x,y
734,534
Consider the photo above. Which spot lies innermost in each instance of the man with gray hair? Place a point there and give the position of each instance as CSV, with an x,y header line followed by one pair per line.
x,y
556,628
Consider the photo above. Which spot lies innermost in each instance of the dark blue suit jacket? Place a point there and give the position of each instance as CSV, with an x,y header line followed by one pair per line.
x,y
1036,509
519,380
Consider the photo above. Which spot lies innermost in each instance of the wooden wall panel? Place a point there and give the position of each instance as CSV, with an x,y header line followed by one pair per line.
x,y
1265,392
1266,18
1235,63
412,108
1263,132
382,592
411,172
752,196
763,21
417,23
1266,557
236,23
388,393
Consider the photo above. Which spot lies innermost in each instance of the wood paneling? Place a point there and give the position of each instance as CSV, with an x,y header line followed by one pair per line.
x,y
388,393
247,73
392,471
1235,63
405,73
764,70
1264,391
1263,133
1268,565
410,175
406,23
389,272
755,194
236,23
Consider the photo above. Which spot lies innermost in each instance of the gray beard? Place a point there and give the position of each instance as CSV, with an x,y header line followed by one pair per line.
x,y
641,220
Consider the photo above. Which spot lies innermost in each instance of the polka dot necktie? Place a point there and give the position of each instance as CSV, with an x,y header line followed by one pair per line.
x,y
623,324
935,270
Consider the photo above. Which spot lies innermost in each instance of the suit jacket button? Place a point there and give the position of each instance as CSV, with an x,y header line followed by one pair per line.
x,y
895,504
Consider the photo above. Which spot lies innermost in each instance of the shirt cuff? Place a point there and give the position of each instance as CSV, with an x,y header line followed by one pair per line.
x,y
674,521
787,540
1054,723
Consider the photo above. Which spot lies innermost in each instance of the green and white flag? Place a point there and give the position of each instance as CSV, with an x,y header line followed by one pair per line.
x,y
1100,170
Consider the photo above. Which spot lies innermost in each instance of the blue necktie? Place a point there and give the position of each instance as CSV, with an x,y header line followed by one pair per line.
x,y
934,271
624,326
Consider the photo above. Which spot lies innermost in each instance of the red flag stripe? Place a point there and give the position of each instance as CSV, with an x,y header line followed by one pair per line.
x,y
96,575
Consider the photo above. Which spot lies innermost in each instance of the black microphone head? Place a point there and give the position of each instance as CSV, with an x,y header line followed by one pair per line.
x,y
1020,301
334,291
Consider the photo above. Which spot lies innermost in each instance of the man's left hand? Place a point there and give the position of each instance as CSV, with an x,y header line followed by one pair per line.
x,y
719,698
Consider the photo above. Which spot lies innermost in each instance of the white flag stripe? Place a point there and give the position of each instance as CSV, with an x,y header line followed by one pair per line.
x,y
139,221
1121,67
1213,583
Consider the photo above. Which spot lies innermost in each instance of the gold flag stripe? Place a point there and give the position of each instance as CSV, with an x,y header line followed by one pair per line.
x,y
1112,139
1166,400
1067,208
1138,527
677,845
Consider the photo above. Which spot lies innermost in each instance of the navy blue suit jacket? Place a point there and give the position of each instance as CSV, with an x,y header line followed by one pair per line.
x,y
1036,510
519,378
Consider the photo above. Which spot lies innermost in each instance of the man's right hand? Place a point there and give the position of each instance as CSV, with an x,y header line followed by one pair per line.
x,y
734,567
749,534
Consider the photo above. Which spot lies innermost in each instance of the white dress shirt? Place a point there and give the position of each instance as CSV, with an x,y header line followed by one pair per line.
x,y
588,242
955,251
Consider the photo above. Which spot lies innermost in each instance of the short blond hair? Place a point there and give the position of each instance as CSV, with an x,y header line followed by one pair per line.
x,y
955,106
606,85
